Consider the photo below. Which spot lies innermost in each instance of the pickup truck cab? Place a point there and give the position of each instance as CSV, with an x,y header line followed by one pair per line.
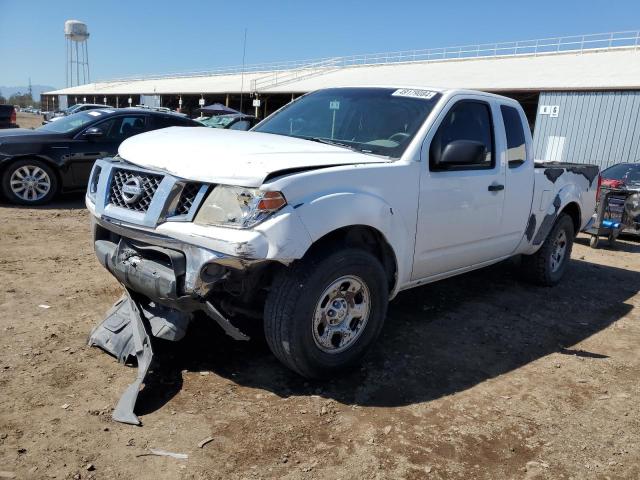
x,y
317,217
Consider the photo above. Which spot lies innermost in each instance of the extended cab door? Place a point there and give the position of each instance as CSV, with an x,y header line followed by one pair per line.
x,y
520,175
460,201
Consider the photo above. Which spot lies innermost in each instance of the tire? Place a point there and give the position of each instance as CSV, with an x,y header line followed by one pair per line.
x,y
298,322
42,182
613,240
594,241
544,267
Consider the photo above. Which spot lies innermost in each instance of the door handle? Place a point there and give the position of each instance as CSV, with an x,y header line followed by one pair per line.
x,y
496,188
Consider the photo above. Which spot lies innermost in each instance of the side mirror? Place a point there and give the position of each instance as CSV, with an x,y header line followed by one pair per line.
x,y
463,152
93,133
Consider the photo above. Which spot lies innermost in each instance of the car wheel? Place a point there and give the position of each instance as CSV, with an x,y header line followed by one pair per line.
x,y
323,314
594,241
547,266
29,182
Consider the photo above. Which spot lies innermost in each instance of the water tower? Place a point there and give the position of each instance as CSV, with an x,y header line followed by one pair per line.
x,y
76,35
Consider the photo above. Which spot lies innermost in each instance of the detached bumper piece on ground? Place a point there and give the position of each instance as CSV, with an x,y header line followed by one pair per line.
x,y
126,332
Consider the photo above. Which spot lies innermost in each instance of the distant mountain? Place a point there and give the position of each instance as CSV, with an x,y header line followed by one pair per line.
x,y
36,89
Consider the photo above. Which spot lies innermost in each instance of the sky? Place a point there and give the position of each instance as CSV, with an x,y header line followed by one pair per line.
x,y
163,36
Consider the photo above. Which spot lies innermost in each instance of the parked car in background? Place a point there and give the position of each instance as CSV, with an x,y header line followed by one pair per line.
x,y
8,116
232,121
77,108
622,175
626,177
37,164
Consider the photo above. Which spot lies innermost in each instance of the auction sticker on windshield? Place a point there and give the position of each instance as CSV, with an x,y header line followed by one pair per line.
x,y
414,93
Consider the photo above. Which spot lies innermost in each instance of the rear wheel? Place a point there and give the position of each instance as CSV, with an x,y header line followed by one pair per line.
x,y
547,265
29,182
323,314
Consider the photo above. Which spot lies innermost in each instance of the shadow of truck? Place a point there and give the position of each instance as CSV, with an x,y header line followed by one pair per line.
x,y
438,339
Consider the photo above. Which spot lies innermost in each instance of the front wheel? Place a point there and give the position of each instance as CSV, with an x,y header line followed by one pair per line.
x,y
547,266
323,314
29,182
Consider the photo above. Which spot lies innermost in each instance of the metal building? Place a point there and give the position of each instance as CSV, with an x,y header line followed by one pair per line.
x,y
588,127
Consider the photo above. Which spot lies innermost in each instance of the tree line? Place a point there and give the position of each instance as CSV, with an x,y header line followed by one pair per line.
x,y
20,99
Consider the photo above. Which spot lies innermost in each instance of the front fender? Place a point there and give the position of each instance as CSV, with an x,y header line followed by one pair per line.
x,y
331,212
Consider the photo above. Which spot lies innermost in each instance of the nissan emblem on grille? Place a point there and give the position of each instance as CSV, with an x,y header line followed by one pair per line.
x,y
131,190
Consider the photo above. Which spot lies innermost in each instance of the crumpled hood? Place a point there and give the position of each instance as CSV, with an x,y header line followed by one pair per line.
x,y
229,156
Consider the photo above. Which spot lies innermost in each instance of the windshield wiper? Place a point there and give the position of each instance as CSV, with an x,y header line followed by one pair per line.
x,y
327,141
337,143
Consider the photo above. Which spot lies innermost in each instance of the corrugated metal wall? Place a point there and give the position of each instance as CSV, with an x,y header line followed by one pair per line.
x,y
602,128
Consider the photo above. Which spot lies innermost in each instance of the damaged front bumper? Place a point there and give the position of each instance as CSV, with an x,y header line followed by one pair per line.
x,y
165,281
172,267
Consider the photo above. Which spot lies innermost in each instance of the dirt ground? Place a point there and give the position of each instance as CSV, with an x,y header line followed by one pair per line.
x,y
481,376
28,120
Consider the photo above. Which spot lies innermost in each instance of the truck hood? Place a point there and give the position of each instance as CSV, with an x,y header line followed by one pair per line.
x,y
232,157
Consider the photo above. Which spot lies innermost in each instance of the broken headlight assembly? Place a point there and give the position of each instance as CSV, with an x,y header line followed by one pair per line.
x,y
238,207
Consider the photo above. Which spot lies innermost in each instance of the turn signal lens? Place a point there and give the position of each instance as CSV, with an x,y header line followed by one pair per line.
x,y
271,201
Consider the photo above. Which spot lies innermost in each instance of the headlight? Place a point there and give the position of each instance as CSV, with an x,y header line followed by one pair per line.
x,y
238,207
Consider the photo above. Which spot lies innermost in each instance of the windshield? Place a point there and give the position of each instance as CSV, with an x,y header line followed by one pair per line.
x,y
380,121
220,121
71,122
625,172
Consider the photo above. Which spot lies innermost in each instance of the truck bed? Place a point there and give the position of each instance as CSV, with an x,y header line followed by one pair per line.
x,y
553,182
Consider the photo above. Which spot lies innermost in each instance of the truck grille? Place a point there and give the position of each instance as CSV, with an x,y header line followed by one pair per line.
x,y
187,197
133,190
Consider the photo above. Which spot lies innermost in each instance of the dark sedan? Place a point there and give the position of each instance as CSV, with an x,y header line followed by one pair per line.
x,y
37,164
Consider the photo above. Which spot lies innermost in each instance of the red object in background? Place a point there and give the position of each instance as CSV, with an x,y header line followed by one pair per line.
x,y
609,182
13,116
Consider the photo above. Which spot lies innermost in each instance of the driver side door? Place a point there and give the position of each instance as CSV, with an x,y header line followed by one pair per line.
x,y
87,149
460,205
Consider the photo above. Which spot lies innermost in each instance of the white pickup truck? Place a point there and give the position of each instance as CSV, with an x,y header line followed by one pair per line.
x,y
315,219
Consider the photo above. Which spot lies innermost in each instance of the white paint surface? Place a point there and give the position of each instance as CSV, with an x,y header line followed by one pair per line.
x,y
230,156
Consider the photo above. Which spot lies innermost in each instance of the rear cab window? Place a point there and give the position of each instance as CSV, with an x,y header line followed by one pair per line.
x,y
516,148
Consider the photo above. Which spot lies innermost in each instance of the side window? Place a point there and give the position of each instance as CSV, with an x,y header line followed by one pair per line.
x,y
106,127
516,150
123,127
468,132
164,121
